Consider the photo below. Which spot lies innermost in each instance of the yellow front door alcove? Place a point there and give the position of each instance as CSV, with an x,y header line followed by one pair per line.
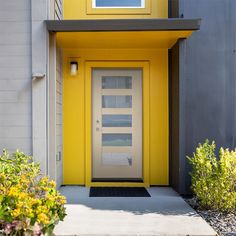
x,y
78,107
134,38
146,50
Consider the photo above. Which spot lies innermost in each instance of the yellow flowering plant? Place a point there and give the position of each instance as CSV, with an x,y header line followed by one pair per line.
x,y
29,202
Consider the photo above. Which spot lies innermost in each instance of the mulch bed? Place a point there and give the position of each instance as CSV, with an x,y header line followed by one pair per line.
x,y
223,223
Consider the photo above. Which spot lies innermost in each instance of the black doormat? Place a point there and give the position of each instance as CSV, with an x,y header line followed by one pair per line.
x,y
118,192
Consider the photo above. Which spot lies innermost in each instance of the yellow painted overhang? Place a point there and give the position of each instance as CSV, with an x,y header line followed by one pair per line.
x,y
122,39
126,33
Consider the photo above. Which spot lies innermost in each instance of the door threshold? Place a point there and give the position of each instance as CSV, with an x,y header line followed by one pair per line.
x,y
120,180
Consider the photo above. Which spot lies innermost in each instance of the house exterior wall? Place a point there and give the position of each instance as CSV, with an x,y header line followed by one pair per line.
x,y
207,80
24,104
15,76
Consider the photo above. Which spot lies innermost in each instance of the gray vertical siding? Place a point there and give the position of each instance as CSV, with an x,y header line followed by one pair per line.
x,y
207,74
15,76
59,134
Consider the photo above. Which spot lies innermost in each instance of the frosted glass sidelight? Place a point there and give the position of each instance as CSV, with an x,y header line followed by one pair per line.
x,y
112,140
119,101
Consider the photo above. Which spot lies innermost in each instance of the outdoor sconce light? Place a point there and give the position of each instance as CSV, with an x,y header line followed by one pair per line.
x,y
73,68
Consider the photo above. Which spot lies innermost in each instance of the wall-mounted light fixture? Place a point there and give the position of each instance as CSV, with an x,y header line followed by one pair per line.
x,y
74,66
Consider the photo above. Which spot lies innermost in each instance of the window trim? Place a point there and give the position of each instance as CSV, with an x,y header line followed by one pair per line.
x,y
118,7
144,10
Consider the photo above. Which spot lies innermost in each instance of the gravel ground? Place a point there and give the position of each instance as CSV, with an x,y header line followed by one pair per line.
x,y
223,223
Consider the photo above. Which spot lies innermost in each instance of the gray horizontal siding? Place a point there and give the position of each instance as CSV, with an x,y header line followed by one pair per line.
x,y
15,76
23,144
14,15
15,50
14,27
13,38
16,132
15,108
14,120
14,61
15,5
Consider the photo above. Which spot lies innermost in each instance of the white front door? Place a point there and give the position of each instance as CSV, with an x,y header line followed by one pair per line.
x,y
117,124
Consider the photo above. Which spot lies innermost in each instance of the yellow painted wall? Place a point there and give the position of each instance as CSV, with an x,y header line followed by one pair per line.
x,y
81,9
74,110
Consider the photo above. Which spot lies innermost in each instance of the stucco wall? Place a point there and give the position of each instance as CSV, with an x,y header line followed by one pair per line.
x,y
15,76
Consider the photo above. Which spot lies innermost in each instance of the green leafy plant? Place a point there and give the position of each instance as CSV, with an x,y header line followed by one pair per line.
x,y
214,179
29,202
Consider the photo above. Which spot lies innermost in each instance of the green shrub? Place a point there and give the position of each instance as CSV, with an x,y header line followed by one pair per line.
x,y
214,179
29,203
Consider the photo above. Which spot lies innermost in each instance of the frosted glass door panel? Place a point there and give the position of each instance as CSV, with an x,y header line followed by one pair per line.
x,y
117,159
116,140
117,82
116,120
111,101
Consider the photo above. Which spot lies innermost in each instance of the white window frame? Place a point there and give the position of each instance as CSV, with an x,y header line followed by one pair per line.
x,y
124,7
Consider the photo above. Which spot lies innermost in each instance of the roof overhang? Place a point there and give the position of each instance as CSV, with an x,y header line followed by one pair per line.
x,y
168,24
122,33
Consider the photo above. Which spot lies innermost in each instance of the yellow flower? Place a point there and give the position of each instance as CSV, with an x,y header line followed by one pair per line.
x,y
22,195
44,179
62,200
13,192
52,184
16,212
20,204
41,209
43,218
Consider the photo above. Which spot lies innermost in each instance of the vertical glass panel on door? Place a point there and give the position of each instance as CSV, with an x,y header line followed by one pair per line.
x,y
116,82
118,3
113,140
116,101
116,120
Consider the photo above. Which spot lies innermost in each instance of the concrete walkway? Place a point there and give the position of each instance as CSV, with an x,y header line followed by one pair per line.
x,y
164,213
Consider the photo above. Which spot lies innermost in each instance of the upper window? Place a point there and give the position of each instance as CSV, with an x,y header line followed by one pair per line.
x,y
119,7
118,3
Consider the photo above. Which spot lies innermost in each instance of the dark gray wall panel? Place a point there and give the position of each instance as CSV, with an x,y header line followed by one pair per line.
x,y
207,78
174,116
